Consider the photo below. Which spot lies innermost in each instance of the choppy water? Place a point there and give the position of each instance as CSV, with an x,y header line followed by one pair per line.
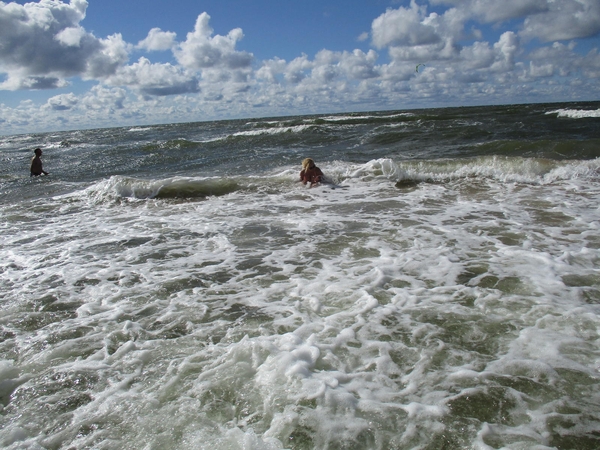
x,y
175,287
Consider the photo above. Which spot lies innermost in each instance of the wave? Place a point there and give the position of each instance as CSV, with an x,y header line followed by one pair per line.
x,y
362,117
274,131
576,113
505,169
139,129
172,144
403,173
326,127
303,123
171,188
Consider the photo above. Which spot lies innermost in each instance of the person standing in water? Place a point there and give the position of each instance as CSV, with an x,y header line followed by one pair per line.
x,y
36,164
310,173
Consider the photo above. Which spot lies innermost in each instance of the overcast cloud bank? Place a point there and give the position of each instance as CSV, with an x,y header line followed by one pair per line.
x,y
536,57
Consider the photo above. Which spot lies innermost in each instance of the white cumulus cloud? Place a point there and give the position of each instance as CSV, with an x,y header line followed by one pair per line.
x,y
404,27
62,102
158,40
497,11
546,20
564,20
202,50
42,44
155,79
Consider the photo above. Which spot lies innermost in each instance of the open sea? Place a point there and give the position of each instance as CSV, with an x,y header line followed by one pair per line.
x,y
175,286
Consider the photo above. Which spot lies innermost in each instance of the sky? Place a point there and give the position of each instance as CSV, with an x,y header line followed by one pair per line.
x,y
81,64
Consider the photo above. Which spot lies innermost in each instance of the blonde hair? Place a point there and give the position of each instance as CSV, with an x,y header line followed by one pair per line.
x,y
306,162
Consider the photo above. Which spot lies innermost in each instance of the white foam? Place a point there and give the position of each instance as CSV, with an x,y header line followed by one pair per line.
x,y
274,131
576,113
278,312
365,117
519,170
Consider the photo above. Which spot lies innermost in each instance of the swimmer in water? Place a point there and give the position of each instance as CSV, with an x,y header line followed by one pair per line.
x,y
310,173
36,164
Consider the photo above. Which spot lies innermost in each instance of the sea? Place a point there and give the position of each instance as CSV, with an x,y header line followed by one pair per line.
x,y
176,287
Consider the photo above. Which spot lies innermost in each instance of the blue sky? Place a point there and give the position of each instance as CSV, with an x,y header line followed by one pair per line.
x,y
99,63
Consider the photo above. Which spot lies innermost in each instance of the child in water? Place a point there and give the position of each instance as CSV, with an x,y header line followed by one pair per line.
x,y
36,164
310,173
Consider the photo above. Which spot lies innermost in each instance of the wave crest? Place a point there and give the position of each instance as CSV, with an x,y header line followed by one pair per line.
x,y
171,188
576,113
506,169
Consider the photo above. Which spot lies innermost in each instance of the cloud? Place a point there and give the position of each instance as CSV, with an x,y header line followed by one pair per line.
x,y
411,34
42,43
297,69
564,61
101,98
71,37
271,69
358,65
62,102
478,56
18,81
506,48
158,40
564,20
326,67
404,27
111,55
590,65
490,11
546,20
155,79
201,50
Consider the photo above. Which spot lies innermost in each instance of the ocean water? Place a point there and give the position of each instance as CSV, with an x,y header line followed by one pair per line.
x,y
176,287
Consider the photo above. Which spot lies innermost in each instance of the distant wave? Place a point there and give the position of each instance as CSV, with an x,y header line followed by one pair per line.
x,y
170,144
136,129
300,124
278,130
576,113
365,117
